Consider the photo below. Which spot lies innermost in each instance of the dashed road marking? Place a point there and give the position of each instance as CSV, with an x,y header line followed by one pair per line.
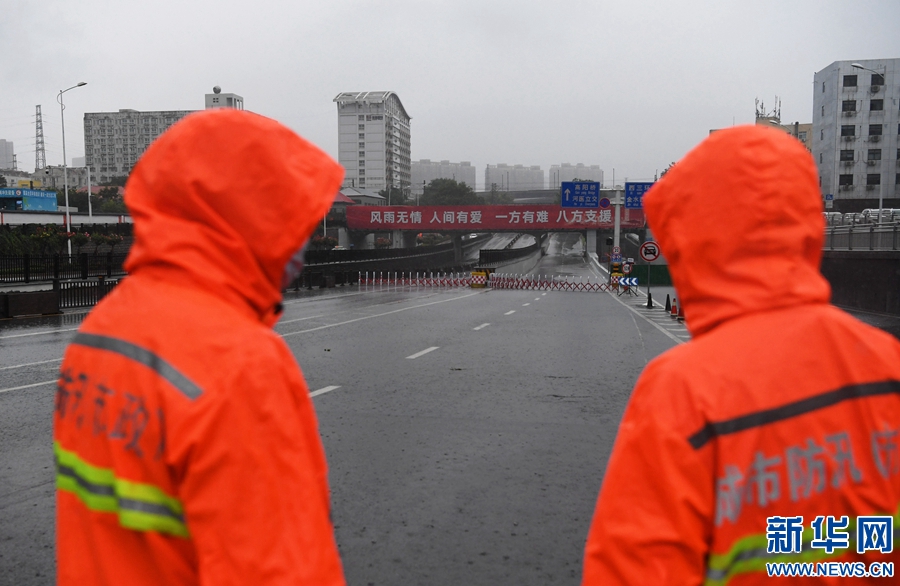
x,y
525,304
30,364
481,327
423,352
324,390
46,382
510,312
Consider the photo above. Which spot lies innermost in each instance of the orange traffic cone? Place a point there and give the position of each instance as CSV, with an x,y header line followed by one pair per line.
x,y
674,312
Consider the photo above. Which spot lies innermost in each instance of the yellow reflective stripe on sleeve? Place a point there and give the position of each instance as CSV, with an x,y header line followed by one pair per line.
x,y
750,554
142,507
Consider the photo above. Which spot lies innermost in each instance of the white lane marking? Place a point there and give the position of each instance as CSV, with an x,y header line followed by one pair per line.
x,y
46,382
350,321
542,294
30,364
537,298
510,312
324,390
649,321
290,321
525,304
481,327
423,352
37,333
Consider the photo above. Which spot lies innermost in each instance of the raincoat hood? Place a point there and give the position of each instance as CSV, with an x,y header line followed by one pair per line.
x,y
222,200
739,221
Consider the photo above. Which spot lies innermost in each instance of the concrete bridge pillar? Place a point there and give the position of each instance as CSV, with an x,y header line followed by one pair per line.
x,y
457,249
590,244
403,239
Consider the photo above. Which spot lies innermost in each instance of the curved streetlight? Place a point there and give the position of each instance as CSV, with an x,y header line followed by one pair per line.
x,y
881,185
62,117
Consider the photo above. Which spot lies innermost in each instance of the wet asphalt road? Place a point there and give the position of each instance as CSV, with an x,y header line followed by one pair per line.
x,y
466,430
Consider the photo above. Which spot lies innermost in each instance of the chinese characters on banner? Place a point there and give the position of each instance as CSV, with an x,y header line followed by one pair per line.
x,y
485,218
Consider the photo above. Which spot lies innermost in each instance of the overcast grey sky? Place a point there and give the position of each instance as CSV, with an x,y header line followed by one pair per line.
x,y
629,85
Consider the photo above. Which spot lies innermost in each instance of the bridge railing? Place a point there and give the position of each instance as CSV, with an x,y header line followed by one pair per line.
x,y
863,237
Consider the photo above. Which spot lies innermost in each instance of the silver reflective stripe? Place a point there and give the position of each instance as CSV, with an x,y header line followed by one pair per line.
x,y
142,356
149,508
97,489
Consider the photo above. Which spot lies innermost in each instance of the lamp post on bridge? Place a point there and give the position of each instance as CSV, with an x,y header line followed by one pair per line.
x,y
62,107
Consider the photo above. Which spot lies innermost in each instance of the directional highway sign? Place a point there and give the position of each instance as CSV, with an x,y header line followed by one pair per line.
x,y
649,251
634,193
628,281
580,194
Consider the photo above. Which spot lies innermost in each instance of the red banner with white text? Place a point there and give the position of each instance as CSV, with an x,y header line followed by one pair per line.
x,y
486,218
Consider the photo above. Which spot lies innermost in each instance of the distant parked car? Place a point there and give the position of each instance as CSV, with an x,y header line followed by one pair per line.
x,y
339,248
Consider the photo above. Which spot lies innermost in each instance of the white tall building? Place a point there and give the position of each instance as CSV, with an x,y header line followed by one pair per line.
x,y
513,177
425,171
856,123
6,154
114,141
567,172
374,140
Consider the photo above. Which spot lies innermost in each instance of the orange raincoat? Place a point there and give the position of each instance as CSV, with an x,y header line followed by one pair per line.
x,y
186,444
780,406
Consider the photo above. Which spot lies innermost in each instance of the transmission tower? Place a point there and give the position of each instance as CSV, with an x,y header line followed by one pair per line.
x,y
40,156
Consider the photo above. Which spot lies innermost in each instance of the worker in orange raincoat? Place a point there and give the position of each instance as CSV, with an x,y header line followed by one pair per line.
x,y
186,445
772,436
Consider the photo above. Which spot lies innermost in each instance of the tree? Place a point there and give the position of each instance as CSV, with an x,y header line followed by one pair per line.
x,y
667,169
449,192
395,195
2,181
495,196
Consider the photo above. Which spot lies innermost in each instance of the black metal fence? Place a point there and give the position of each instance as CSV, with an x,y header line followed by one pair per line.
x,y
29,268
84,293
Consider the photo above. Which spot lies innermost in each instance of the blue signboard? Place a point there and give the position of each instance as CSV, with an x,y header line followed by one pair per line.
x,y
32,199
634,194
580,194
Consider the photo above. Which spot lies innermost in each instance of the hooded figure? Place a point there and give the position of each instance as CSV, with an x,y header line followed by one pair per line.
x,y
186,444
781,409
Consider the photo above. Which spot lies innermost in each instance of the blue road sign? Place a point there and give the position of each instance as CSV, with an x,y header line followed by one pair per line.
x,y
634,194
580,194
628,281
829,197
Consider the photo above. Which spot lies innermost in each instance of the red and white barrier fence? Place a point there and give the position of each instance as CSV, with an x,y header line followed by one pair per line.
x,y
380,280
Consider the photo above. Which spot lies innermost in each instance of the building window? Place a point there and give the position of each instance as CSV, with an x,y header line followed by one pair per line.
x,y
897,179
802,136
362,117
362,171
848,106
848,130
874,155
845,180
823,87
877,79
876,105
823,110
846,155
362,126
822,133
362,135
362,163
362,153
820,158
875,129
362,145
849,81
873,179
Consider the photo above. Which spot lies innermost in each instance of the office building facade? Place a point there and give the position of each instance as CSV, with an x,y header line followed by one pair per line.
x,y
856,124
425,171
567,172
503,177
114,141
7,155
374,141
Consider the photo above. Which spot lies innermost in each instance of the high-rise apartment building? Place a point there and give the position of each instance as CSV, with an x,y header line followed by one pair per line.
x,y
856,123
6,154
374,140
114,141
425,171
505,177
567,172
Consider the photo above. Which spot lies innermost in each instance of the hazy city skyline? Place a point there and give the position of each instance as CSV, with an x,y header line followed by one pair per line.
x,y
630,88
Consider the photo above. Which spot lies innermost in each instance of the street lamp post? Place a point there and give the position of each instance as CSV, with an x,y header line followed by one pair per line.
x,y
62,116
881,182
